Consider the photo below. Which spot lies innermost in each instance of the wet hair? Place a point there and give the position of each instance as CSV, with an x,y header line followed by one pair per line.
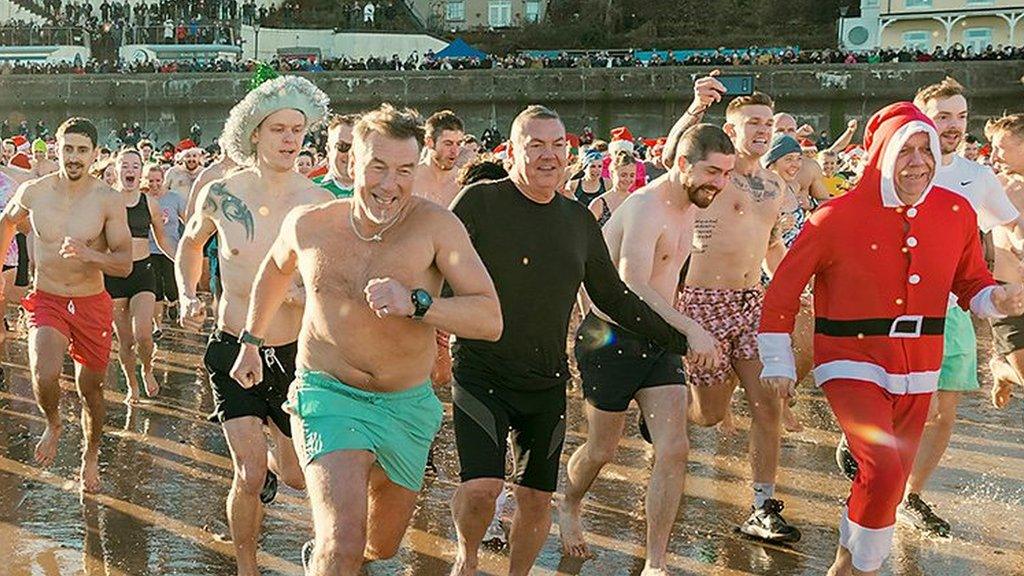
x,y
441,121
400,124
938,91
481,168
342,120
754,99
1012,123
78,125
532,112
702,140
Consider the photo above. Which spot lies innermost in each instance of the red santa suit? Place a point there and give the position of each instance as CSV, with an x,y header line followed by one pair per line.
x,y
883,272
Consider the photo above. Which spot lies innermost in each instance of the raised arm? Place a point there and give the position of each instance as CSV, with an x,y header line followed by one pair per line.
x,y
706,92
844,139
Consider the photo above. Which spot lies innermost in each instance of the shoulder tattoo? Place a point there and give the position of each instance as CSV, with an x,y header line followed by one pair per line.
x,y
759,189
234,209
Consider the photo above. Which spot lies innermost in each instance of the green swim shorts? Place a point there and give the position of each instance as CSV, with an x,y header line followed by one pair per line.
x,y
960,353
397,427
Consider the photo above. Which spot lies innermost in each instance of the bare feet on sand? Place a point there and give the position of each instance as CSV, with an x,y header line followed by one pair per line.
x,y
46,449
570,530
152,386
648,571
727,427
1003,379
789,419
90,473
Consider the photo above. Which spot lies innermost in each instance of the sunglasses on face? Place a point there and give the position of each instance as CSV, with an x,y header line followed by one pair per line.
x,y
343,146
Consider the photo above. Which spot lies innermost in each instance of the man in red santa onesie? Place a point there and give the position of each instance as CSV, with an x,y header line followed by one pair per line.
x,y
877,351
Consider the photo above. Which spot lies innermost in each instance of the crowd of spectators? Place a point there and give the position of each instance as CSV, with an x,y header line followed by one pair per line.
x,y
429,61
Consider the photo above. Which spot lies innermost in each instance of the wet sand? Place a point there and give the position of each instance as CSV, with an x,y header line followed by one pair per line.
x,y
166,474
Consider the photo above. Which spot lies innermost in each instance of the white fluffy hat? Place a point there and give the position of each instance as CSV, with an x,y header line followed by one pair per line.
x,y
282,93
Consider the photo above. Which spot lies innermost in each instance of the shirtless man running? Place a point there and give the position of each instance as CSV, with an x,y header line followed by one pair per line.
x,y
723,294
245,210
82,233
179,178
649,238
1007,364
363,403
436,181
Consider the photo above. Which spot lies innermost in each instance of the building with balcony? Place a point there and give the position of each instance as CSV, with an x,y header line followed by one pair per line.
x,y
927,24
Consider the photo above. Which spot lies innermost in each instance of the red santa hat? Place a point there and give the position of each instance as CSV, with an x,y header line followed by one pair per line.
x,y
21,161
21,143
186,147
885,134
806,145
622,139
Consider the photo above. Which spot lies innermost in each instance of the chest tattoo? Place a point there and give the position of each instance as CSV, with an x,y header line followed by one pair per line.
x,y
759,189
703,230
234,209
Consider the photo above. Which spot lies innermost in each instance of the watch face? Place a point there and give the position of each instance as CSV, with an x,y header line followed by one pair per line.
x,y
422,298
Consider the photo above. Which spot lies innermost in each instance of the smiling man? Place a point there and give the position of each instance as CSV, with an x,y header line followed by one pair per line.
x,y
539,247
263,135
363,404
81,233
877,352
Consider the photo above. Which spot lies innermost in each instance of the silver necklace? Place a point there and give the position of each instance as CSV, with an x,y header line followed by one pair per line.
x,y
378,237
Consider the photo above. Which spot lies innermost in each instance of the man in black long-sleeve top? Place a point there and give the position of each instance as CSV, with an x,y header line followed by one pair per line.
x,y
539,247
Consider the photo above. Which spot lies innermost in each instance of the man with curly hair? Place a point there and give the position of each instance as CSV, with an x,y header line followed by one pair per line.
x,y
245,209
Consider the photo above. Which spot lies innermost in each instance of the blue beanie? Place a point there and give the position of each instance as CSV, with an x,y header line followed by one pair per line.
x,y
782,144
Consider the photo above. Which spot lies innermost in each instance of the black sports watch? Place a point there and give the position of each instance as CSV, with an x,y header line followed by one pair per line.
x,y
248,338
422,300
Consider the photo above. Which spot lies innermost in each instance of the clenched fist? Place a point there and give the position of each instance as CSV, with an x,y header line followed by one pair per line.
x,y
388,297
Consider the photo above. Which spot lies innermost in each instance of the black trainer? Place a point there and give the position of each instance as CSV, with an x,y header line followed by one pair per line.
x,y
269,491
917,513
307,556
766,523
645,432
844,459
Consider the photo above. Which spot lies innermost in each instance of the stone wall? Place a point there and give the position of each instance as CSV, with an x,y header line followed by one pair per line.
x,y
646,99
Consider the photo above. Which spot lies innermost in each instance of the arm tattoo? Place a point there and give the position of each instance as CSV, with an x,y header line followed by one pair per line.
x,y
234,209
760,189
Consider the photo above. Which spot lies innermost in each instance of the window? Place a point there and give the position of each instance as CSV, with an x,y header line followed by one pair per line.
x,y
980,2
499,13
918,3
532,10
455,11
918,39
978,38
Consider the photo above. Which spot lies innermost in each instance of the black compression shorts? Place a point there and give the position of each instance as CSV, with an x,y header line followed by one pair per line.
x,y
21,278
265,400
140,280
616,363
487,417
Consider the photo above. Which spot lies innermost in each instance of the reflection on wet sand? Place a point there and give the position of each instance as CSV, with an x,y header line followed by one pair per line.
x,y
166,473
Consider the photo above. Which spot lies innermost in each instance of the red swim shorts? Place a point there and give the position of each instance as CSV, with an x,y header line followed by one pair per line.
x,y
86,321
